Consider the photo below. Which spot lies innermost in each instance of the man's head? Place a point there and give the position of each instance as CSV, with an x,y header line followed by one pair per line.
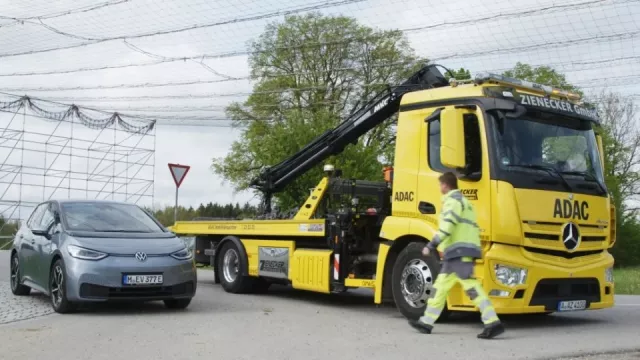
x,y
448,182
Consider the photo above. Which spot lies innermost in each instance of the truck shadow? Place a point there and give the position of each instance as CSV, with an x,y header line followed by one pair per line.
x,y
362,301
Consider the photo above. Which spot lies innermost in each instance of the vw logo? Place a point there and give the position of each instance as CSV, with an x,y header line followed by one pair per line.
x,y
140,256
570,236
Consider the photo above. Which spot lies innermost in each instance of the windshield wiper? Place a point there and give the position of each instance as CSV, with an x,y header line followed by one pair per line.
x,y
589,177
549,169
125,231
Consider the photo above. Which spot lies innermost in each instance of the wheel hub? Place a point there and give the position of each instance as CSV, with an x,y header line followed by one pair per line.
x,y
15,267
230,265
57,286
416,283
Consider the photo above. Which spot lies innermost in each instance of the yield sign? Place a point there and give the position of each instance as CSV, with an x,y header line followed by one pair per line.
x,y
178,172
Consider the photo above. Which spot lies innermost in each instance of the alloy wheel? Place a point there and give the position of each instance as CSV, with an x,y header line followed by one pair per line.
x,y
57,286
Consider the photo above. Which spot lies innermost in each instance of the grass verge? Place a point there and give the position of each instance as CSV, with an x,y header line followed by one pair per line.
x,y
627,281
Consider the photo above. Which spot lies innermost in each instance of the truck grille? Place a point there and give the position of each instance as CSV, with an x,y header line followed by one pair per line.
x,y
549,292
547,235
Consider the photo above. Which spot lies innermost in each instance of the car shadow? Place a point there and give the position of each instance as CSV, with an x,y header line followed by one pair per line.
x,y
127,308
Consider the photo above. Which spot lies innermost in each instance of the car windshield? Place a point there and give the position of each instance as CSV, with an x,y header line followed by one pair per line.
x,y
107,217
550,143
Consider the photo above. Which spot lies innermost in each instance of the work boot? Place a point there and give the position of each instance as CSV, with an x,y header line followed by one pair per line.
x,y
420,326
492,330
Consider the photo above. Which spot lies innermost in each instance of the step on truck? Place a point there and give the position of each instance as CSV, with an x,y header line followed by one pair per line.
x,y
528,157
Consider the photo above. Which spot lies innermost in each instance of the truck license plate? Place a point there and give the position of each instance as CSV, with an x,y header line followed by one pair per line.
x,y
142,279
572,305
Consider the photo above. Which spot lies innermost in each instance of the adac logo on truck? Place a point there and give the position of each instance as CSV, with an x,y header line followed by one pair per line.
x,y
403,196
571,209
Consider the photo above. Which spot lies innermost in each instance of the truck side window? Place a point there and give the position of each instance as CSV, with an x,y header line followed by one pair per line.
x,y
473,145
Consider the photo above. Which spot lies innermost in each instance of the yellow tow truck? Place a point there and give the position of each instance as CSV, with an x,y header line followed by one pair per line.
x,y
528,156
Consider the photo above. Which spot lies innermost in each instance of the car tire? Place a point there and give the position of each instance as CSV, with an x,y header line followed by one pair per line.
x,y
58,289
229,270
16,287
178,304
412,280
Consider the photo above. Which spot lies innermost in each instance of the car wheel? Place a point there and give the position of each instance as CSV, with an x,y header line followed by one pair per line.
x,y
16,287
177,303
231,277
412,279
58,288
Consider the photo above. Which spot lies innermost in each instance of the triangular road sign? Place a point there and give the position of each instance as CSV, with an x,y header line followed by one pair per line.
x,y
178,172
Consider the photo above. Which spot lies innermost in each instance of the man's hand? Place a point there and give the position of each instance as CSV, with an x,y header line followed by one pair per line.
x,y
425,251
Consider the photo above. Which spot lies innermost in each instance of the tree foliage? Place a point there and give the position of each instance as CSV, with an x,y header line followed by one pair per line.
x,y
210,210
310,71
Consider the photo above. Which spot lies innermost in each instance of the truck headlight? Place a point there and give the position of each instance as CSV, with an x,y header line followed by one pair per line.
x,y
608,275
509,275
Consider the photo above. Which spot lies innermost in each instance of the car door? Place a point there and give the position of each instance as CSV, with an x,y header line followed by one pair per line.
x,y
27,247
43,246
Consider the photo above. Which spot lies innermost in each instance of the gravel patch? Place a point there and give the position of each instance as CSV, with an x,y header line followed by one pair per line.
x,y
17,308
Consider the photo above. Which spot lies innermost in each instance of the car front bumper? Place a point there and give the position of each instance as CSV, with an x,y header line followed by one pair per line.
x,y
102,280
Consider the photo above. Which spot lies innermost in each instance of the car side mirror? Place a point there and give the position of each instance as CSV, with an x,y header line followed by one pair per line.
x,y
44,233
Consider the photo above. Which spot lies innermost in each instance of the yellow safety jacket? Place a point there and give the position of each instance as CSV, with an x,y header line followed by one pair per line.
x,y
458,233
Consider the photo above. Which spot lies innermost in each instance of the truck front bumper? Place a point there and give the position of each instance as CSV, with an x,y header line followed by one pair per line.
x,y
551,283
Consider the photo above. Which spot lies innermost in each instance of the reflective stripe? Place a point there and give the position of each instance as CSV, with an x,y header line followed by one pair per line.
x,y
444,232
457,219
461,249
457,195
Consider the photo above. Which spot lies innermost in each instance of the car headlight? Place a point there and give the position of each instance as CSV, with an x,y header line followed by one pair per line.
x,y
85,254
608,275
184,254
509,275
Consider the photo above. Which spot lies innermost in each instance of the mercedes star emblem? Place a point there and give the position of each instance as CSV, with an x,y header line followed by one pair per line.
x,y
570,236
140,256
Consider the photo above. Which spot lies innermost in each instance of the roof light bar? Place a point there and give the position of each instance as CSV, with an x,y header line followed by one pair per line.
x,y
549,90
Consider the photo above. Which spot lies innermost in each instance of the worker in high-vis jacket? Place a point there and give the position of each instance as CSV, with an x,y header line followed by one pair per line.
x,y
458,238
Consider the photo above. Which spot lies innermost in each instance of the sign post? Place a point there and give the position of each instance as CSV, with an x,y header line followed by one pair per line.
x,y
178,172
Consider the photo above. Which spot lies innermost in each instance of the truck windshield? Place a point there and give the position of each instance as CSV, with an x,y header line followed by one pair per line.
x,y
543,143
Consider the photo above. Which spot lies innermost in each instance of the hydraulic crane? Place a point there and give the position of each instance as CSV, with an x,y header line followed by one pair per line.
x,y
333,141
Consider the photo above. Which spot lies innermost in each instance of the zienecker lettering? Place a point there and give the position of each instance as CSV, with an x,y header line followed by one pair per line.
x,y
554,104
568,209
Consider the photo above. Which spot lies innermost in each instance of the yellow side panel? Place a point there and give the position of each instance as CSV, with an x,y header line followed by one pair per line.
x,y
251,246
360,283
306,228
309,270
383,251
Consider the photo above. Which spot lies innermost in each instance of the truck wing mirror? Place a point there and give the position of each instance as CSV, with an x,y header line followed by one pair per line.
x,y
452,150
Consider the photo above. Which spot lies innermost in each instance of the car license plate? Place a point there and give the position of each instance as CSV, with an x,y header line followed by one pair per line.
x,y
142,279
572,305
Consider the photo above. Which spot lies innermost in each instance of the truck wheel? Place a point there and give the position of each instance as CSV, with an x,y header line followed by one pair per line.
x,y
412,280
229,271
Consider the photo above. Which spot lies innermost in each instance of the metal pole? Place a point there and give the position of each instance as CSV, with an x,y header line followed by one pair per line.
x,y
175,209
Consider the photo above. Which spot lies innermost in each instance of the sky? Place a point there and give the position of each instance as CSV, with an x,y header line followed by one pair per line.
x,y
128,55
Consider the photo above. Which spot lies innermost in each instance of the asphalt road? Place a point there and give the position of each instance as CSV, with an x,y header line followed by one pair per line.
x,y
287,324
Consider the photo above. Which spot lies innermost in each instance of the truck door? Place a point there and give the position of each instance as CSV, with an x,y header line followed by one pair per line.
x,y
475,185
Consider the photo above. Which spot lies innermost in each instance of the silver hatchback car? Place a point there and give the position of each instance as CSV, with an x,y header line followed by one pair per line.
x,y
95,250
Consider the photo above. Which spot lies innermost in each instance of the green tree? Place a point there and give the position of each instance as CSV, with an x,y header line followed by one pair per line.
x,y
310,71
460,74
542,75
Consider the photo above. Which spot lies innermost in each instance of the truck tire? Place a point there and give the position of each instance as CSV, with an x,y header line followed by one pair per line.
x,y
229,271
412,280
